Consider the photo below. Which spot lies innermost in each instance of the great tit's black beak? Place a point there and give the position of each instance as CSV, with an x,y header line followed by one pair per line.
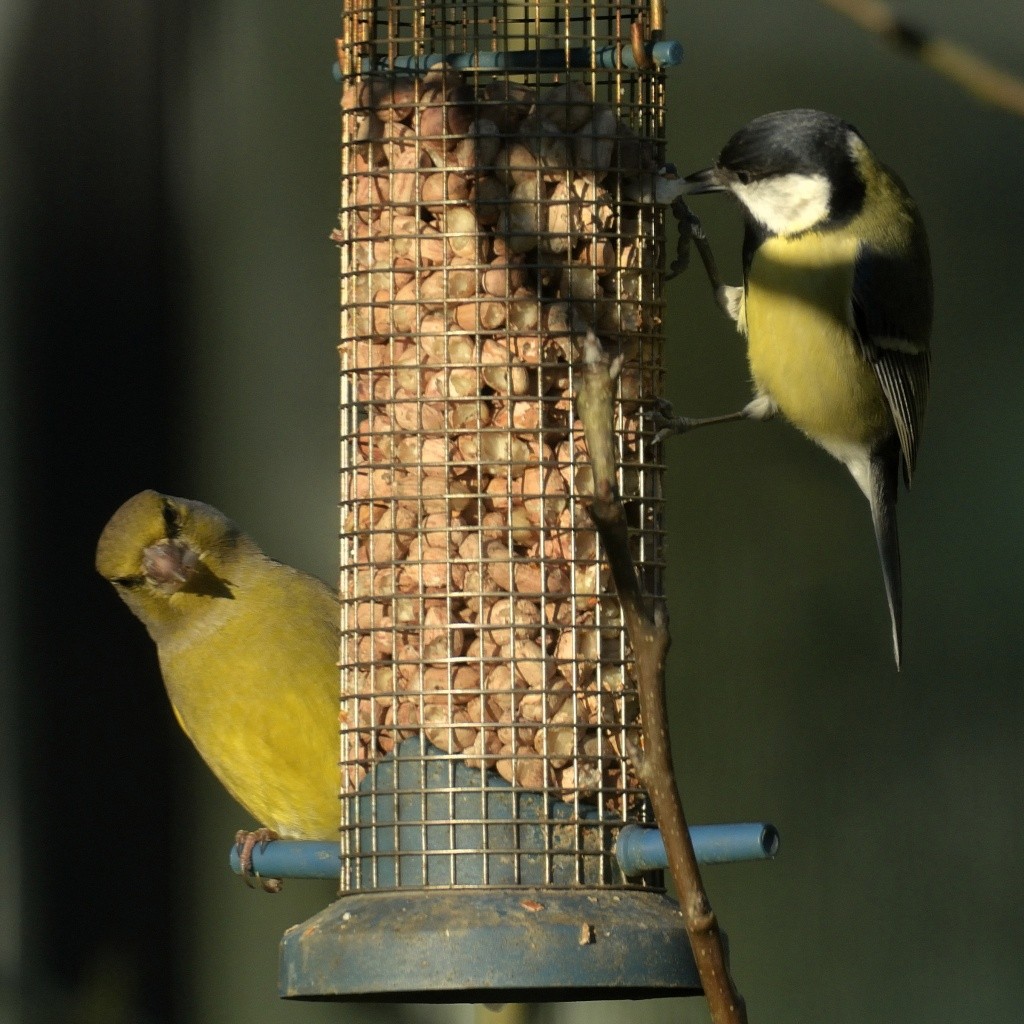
x,y
708,180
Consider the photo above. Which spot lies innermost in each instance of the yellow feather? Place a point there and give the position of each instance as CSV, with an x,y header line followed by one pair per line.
x,y
248,649
800,345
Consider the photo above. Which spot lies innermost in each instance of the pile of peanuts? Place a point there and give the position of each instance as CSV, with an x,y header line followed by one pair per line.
x,y
484,229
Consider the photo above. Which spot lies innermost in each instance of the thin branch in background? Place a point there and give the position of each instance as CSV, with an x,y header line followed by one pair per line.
x,y
647,629
979,77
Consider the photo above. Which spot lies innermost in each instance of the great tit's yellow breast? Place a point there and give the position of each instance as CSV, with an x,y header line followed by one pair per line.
x,y
801,348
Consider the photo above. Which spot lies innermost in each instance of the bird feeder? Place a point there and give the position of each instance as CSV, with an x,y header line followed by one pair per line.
x,y
494,157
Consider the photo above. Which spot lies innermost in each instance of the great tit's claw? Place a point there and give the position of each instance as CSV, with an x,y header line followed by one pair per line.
x,y
668,423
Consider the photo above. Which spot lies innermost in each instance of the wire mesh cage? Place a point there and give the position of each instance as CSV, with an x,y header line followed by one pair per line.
x,y
493,160
486,221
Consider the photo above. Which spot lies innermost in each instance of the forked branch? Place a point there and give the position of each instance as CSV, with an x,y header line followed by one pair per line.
x,y
647,628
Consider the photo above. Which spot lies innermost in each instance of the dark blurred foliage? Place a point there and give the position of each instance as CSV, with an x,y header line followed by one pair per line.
x,y
99,378
170,179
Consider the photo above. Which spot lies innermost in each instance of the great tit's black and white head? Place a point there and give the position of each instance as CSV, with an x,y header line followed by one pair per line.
x,y
792,171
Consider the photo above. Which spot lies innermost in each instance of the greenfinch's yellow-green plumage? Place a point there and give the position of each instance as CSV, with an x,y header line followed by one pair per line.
x,y
248,650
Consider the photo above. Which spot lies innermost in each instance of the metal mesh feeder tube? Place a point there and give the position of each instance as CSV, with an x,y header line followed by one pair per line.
x,y
486,693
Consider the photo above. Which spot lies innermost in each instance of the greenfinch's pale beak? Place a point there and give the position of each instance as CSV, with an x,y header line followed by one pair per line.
x,y
169,564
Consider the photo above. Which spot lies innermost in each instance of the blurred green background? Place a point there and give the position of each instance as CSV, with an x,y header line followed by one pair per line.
x,y
168,319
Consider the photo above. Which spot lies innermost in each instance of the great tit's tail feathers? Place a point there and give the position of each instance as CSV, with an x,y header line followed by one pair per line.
x,y
884,485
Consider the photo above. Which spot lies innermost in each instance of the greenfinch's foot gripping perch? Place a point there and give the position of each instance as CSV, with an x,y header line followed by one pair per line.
x,y
246,842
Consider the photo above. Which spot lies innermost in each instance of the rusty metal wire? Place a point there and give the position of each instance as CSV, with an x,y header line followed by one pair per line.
x,y
488,217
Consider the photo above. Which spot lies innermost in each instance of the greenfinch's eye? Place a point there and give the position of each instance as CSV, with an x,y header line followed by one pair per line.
x,y
128,582
170,519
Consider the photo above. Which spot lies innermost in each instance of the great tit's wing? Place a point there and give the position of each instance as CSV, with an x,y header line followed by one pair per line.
x,y
892,311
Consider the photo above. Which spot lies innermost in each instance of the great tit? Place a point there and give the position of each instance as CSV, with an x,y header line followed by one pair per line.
x,y
836,303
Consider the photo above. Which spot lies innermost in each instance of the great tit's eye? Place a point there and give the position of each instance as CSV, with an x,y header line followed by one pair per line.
x,y
744,177
170,519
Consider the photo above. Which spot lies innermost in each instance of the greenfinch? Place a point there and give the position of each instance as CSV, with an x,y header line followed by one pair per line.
x,y
248,650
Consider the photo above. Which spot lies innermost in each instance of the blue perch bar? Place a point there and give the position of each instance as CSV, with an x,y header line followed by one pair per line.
x,y
664,54
639,849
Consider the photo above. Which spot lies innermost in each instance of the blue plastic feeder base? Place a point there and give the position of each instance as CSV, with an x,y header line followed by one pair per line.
x,y
518,945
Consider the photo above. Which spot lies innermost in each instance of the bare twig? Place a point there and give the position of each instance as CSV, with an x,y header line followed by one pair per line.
x,y
648,634
979,77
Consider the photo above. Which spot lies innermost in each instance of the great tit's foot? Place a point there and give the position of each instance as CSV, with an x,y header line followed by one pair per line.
x,y
688,227
246,842
664,418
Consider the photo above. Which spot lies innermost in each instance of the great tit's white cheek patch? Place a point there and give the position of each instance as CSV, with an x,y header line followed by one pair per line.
x,y
787,203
